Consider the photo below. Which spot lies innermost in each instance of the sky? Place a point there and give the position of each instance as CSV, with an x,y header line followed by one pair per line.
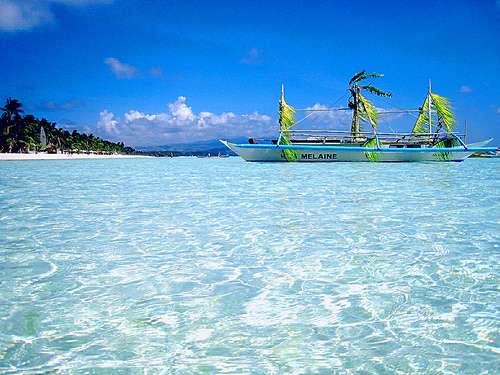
x,y
163,72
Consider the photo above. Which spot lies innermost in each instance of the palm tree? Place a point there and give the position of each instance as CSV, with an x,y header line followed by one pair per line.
x,y
11,142
362,108
29,143
11,115
18,133
29,132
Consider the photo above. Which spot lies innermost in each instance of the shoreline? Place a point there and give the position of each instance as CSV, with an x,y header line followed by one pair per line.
x,y
45,156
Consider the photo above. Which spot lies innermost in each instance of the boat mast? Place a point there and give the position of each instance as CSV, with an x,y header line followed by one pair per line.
x,y
465,132
430,104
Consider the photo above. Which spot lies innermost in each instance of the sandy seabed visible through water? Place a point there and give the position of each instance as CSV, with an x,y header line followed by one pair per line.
x,y
208,266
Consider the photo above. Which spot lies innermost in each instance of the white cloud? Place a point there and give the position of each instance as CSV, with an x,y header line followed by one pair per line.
x,y
255,116
123,70
318,117
498,109
120,69
16,15
107,122
179,124
342,119
465,89
180,112
132,116
251,57
27,14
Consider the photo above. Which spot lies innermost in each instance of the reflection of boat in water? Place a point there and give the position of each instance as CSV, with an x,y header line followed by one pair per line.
x,y
423,144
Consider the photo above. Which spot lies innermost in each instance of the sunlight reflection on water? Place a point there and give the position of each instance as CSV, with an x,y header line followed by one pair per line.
x,y
216,265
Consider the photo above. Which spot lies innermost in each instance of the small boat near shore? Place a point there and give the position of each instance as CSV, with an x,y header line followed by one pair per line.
x,y
431,139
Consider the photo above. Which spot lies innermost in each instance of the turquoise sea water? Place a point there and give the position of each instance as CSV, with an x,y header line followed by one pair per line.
x,y
192,265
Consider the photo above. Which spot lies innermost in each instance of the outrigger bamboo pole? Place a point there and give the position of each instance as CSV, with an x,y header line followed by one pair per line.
x,y
349,109
347,132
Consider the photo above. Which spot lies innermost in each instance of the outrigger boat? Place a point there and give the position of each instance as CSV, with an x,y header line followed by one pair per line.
x,y
422,144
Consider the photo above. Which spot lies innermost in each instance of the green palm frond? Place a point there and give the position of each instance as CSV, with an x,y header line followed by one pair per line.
x,y
367,111
363,75
287,114
290,155
444,143
371,75
356,77
422,123
362,108
444,111
376,91
371,155
440,106
287,121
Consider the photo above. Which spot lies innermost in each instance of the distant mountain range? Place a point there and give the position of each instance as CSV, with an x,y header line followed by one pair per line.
x,y
212,146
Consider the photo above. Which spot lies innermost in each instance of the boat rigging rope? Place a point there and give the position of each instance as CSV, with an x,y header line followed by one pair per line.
x,y
302,119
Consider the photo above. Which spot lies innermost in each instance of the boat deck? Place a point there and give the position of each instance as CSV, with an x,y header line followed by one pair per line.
x,y
345,138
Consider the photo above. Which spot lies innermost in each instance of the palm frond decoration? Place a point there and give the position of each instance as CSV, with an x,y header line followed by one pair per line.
x,y
287,114
357,77
368,112
443,111
287,121
364,75
290,155
371,155
422,123
362,108
444,143
376,91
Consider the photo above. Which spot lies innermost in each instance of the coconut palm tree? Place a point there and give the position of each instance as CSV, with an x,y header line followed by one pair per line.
x,y
11,142
362,108
11,115
18,133
29,132
27,144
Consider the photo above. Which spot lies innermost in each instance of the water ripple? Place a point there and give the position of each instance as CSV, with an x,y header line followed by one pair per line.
x,y
218,266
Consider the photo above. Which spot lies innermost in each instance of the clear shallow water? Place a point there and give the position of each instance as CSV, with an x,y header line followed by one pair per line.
x,y
219,266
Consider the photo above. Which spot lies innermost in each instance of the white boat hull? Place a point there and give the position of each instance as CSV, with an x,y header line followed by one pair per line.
x,y
307,153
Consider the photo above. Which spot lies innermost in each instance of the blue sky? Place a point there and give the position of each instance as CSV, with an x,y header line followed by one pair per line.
x,y
161,72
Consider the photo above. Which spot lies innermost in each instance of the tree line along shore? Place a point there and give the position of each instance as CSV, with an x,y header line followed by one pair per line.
x,y
24,133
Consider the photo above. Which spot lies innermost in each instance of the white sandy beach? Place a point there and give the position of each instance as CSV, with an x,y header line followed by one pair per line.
x,y
45,156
